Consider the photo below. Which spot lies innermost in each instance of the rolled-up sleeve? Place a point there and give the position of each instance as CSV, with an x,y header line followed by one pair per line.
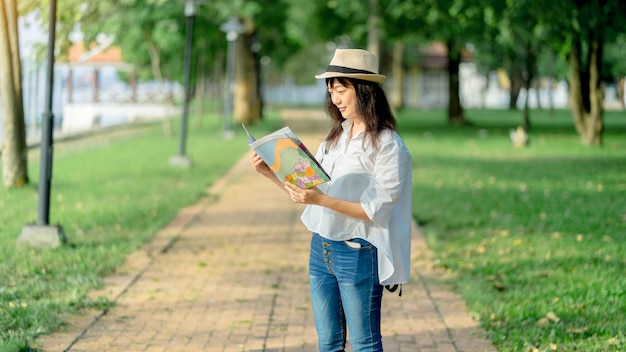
x,y
386,185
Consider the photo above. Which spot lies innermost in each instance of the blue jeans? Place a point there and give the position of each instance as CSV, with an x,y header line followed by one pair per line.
x,y
345,291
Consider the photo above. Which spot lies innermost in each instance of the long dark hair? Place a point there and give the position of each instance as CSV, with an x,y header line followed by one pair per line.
x,y
372,106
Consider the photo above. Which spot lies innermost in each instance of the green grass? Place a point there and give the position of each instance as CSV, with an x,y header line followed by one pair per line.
x,y
110,195
534,237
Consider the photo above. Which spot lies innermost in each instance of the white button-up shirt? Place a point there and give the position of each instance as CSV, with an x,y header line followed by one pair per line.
x,y
380,180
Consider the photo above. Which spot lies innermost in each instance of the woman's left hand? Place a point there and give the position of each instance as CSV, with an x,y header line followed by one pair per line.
x,y
303,196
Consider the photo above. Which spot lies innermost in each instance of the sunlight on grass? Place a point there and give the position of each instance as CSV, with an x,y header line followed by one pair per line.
x,y
111,194
535,235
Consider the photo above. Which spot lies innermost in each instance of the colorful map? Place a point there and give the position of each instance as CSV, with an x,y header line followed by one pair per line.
x,y
289,159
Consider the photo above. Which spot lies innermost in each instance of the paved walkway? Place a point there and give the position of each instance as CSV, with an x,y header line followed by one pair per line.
x,y
230,274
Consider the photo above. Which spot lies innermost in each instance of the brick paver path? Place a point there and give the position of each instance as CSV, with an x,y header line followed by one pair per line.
x,y
230,274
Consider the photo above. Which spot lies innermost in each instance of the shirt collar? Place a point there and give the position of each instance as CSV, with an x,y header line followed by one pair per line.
x,y
347,127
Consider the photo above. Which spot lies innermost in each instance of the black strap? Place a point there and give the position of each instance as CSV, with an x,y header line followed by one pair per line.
x,y
343,69
394,288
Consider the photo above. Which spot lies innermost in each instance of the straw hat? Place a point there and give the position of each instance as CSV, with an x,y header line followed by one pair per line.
x,y
353,63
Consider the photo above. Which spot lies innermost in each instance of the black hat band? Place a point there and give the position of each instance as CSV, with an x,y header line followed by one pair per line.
x,y
342,69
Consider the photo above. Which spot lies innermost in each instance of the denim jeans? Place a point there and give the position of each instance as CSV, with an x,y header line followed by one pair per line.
x,y
345,291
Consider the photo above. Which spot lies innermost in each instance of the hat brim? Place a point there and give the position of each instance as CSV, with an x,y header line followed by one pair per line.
x,y
373,77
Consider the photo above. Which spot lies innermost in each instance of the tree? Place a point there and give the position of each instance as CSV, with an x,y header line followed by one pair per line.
x,y
553,67
520,38
616,65
264,36
349,23
402,26
159,23
581,29
14,150
454,23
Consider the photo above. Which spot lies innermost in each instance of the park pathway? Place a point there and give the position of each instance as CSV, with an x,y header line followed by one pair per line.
x,y
230,274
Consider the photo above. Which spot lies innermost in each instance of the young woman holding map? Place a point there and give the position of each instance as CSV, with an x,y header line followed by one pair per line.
x,y
361,219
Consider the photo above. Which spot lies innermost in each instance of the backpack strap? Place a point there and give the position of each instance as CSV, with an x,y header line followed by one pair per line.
x,y
394,288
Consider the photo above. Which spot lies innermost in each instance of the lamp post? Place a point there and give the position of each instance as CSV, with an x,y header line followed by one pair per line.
x,y
41,234
232,28
181,159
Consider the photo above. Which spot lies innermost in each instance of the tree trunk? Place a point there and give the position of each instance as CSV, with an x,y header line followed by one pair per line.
x,y
397,72
550,84
155,61
528,77
483,92
516,87
219,77
620,92
14,151
586,94
247,102
526,114
201,80
256,60
456,114
373,29
537,86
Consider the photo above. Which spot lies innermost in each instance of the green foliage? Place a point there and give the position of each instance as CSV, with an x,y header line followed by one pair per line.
x,y
111,193
532,237
586,20
151,34
313,24
614,57
273,34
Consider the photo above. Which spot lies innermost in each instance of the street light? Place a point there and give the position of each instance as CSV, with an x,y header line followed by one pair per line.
x,y
41,234
232,28
181,159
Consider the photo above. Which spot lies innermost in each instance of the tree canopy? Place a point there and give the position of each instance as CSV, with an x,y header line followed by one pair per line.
x,y
527,38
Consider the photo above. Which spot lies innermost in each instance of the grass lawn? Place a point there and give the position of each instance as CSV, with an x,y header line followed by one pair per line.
x,y
110,193
534,237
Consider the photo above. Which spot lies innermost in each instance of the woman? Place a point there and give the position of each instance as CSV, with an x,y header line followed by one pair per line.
x,y
361,219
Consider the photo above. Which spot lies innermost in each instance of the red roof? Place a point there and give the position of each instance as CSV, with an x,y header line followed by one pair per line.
x,y
111,54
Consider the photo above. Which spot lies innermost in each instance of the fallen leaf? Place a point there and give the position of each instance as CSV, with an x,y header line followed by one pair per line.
x,y
552,346
543,322
613,341
553,317
577,330
499,285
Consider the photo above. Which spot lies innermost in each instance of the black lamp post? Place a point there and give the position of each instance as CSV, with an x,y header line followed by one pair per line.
x,y
232,28
41,234
181,159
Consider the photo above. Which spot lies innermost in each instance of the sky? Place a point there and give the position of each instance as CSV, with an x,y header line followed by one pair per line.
x,y
30,33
